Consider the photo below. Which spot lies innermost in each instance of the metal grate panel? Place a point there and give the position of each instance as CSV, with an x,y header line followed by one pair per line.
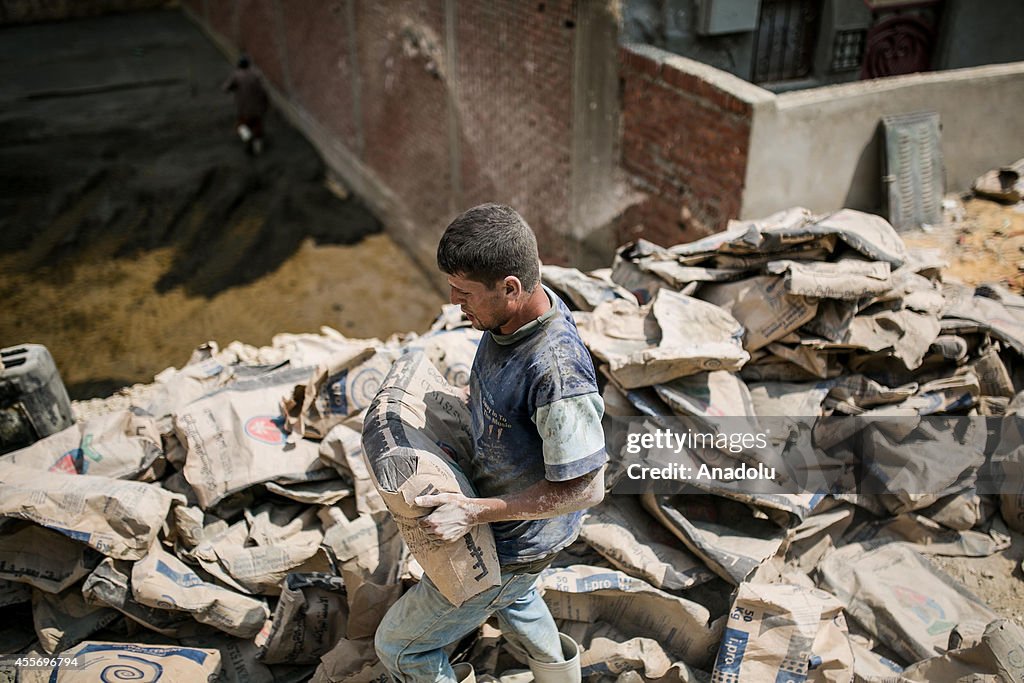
x,y
913,177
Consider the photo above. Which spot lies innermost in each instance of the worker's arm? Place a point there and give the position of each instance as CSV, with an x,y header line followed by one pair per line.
x,y
454,514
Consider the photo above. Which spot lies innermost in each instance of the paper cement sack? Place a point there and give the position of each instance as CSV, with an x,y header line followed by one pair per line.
x,y
899,598
118,518
997,658
98,662
46,559
235,439
341,386
673,336
451,351
412,431
628,537
121,444
608,652
110,585
763,305
57,452
309,619
66,619
636,608
162,580
784,632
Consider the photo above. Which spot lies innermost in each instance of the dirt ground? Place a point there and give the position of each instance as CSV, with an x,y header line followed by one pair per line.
x,y
982,240
133,226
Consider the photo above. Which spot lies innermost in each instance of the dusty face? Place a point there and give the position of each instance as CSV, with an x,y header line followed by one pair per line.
x,y
486,307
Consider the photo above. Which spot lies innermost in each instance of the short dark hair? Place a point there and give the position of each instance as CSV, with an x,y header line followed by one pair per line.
x,y
488,243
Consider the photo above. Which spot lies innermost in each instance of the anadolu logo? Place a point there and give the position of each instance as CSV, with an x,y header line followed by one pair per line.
x,y
267,428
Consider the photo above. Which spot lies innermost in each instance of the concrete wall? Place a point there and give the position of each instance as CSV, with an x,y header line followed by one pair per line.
x,y
821,149
428,108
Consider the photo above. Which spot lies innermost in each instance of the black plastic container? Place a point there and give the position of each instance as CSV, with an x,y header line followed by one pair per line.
x,y
33,400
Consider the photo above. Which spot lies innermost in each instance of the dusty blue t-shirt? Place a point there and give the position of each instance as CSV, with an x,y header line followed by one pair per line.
x,y
536,414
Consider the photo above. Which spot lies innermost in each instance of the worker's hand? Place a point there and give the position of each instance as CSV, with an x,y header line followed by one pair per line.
x,y
453,516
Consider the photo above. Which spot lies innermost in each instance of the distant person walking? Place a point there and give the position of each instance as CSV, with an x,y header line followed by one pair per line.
x,y
251,103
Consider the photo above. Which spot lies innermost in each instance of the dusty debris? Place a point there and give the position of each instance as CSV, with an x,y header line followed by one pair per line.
x,y
1004,184
252,503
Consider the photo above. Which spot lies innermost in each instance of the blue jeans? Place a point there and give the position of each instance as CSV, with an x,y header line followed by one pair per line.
x,y
410,640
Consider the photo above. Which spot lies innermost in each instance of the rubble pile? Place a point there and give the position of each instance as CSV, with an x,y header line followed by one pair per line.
x,y
226,515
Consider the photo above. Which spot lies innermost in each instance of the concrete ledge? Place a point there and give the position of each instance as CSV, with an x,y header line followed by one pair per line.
x,y
657,63
828,93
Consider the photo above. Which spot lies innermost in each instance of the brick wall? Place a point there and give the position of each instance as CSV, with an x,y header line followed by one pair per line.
x,y
685,143
443,105
515,99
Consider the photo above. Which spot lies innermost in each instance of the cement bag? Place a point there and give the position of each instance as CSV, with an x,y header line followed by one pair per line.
x,y
370,553
64,620
110,585
342,449
239,661
235,438
309,619
998,658
45,559
98,662
724,533
606,651
120,445
14,593
1008,465
351,661
784,632
671,337
763,306
636,608
162,580
58,452
871,667
583,290
625,535
899,598
412,431
341,386
451,351
118,518
279,541
846,278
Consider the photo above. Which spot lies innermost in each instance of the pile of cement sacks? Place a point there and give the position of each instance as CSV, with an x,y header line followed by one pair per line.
x,y
223,513
224,517
830,331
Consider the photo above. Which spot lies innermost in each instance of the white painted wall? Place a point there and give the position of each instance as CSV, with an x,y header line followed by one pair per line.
x,y
821,148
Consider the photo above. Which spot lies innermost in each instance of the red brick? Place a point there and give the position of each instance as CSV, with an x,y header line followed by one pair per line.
x,y
640,63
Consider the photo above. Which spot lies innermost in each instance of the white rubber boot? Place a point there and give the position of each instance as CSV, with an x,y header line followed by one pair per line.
x,y
464,672
560,672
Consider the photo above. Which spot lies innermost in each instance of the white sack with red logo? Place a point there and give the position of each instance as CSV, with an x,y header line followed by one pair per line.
x,y
235,438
